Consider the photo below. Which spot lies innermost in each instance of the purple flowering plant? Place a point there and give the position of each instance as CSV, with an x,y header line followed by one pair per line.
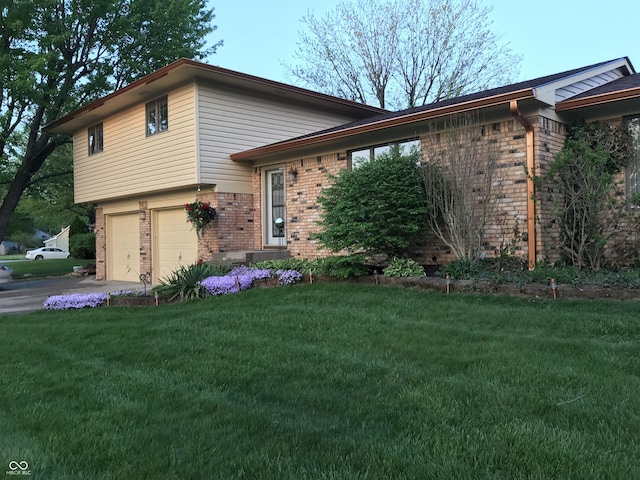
x,y
287,277
238,279
75,300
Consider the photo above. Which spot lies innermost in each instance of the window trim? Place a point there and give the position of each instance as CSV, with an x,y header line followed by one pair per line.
x,y
156,106
95,131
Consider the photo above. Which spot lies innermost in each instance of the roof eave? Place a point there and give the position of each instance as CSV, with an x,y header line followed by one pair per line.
x,y
608,97
256,153
56,125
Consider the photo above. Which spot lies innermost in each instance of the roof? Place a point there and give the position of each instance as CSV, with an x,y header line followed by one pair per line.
x,y
529,89
624,88
176,73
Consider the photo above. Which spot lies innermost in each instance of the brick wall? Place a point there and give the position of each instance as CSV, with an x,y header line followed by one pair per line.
x,y
233,229
507,230
101,245
145,239
549,136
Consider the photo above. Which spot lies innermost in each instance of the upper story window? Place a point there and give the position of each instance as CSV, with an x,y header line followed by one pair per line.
x,y
157,116
633,166
96,143
358,157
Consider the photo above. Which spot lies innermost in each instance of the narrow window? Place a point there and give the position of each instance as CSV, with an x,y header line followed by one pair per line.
x,y
157,116
95,139
633,165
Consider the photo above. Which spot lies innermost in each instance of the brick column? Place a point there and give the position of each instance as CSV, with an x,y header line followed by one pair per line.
x,y
101,245
145,239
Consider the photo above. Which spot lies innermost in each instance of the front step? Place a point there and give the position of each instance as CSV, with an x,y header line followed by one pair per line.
x,y
248,257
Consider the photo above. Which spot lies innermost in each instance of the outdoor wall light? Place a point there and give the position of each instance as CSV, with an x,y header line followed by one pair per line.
x,y
292,174
142,214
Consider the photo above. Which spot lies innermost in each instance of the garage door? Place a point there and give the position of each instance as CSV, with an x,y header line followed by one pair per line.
x,y
176,243
123,248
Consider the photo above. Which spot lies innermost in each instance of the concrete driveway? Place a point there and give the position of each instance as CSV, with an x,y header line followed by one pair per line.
x,y
29,295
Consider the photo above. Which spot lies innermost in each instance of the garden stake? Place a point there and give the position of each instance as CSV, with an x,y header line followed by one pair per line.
x,y
448,283
375,276
155,295
108,299
553,288
311,276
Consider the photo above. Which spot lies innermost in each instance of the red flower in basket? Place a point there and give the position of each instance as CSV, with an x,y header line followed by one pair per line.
x,y
200,214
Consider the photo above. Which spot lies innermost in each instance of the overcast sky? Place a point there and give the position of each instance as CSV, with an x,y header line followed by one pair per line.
x,y
551,36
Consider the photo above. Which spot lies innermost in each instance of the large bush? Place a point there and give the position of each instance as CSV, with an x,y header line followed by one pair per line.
x,y
83,246
377,208
590,206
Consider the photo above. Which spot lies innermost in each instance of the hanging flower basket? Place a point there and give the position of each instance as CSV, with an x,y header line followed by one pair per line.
x,y
200,214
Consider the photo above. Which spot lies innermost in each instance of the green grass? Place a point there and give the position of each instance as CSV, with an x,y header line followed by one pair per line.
x,y
325,381
16,256
44,268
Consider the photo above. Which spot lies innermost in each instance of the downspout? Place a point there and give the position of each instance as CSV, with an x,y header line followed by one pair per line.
x,y
531,206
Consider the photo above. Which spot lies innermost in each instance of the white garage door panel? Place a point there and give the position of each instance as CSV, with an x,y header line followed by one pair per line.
x,y
176,242
123,248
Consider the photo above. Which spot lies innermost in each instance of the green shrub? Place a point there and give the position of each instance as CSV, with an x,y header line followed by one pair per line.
x,y
460,269
341,267
219,269
302,265
83,246
184,283
377,208
404,267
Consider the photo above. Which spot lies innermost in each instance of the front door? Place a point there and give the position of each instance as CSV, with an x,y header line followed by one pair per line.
x,y
275,199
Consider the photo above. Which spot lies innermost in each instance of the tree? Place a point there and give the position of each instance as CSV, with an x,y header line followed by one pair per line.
x,y
462,186
58,55
376,208
589,208
402,53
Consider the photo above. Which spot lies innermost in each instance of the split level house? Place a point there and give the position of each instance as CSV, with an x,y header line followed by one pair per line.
x,y
259,150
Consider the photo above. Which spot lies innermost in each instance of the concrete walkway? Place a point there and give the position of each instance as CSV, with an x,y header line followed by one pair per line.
x,y
29,295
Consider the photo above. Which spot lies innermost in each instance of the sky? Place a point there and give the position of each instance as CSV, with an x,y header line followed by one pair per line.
x,y
551,36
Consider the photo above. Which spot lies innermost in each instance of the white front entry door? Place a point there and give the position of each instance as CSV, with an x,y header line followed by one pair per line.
x,y
275,201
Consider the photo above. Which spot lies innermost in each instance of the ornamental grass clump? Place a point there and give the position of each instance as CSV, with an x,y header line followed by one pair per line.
x,y
75,300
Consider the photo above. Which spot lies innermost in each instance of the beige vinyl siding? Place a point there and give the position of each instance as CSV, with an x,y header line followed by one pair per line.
x,y
231,121
133,163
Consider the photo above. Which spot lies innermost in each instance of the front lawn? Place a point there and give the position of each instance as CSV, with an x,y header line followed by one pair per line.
x,y
325,381
45,268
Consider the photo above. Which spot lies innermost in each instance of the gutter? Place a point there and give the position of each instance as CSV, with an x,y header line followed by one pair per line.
x,y
531,206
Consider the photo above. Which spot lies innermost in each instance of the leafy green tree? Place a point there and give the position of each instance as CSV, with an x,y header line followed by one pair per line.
x,y
49,198
377,208
56,56
588,208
